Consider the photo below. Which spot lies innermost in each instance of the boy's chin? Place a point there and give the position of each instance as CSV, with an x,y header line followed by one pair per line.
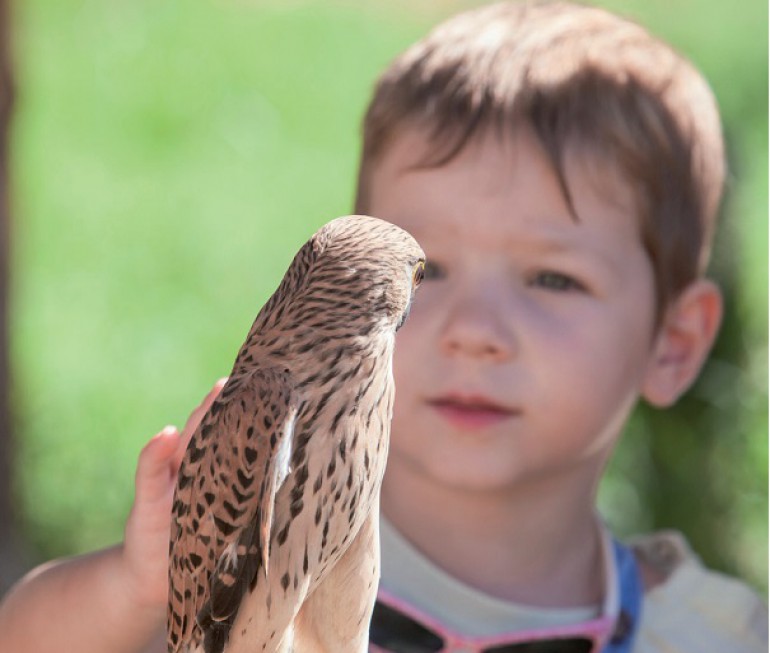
x,y
462,474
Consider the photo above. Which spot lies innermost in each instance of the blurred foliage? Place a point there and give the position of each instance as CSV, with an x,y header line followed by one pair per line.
x,y
169,158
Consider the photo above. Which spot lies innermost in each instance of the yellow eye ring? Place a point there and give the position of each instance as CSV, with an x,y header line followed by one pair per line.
x,y
418,273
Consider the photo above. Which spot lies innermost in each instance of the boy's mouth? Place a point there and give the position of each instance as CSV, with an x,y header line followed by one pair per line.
x,y
470,412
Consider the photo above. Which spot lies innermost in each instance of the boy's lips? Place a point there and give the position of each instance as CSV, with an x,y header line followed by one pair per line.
x,y
471,412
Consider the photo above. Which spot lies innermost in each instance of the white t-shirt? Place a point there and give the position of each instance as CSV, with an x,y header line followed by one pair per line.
x,y
693,611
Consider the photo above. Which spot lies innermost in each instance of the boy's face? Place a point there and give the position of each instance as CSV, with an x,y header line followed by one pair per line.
x,y
531,335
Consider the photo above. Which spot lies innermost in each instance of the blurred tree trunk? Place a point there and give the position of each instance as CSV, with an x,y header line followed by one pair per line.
x,y
10,556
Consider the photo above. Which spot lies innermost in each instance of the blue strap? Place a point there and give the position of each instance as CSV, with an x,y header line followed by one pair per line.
x,y
631,596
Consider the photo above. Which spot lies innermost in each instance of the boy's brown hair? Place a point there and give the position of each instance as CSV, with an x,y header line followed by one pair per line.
x,y
578,76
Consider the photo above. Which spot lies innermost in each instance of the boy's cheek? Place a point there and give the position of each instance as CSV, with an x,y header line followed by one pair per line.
x,y
411,333
400,370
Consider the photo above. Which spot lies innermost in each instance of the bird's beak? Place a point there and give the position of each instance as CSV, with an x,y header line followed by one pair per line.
x,y
406,313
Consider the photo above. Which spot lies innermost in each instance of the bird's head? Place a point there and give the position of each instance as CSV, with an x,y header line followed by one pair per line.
x,y
368,268
351,284
348,290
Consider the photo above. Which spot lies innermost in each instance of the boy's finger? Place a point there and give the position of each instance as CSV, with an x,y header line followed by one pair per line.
x,y
152,469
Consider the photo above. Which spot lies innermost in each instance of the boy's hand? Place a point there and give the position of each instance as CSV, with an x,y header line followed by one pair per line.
x,y
145,547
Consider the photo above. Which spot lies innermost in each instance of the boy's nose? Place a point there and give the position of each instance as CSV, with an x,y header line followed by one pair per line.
x,y
475,327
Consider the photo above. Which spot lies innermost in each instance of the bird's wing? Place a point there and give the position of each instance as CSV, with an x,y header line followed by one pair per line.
x,y
223,508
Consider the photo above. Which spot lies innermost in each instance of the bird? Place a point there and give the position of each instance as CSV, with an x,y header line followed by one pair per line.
x,y
274,542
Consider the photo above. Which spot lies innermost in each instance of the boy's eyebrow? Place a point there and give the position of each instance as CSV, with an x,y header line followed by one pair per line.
x,y
544,243
539,241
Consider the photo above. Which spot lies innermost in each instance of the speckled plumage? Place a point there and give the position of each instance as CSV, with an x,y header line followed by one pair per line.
x,y
274,538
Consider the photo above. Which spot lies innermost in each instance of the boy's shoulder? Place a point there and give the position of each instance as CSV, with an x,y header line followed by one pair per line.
x,y
688,607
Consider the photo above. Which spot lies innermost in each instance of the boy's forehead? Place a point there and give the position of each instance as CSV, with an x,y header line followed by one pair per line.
x,y
497,168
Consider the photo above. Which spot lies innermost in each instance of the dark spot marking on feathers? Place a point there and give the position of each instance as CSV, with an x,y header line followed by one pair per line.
x,y
324,400
301,477
244,479
296,507
196,454
311,379
226,528
303,349
242,498
283,534
337,418
232,510
352,372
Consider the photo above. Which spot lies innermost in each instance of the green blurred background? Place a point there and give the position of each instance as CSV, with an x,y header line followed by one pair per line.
x,y
168,158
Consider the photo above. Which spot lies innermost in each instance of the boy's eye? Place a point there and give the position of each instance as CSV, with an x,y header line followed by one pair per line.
x,y
433,271
556,281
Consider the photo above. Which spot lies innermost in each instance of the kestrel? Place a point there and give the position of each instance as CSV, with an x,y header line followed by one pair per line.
x,y
274,535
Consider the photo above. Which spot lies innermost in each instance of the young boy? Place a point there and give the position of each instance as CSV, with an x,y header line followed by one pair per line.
x,y
562,170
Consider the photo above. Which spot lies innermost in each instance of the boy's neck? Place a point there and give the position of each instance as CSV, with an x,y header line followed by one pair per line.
x,y
535,544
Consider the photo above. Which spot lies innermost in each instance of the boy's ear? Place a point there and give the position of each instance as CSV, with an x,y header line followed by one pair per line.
x,y
683,341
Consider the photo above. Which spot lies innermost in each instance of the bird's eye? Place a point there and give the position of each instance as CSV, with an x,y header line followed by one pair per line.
x,y
418,274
